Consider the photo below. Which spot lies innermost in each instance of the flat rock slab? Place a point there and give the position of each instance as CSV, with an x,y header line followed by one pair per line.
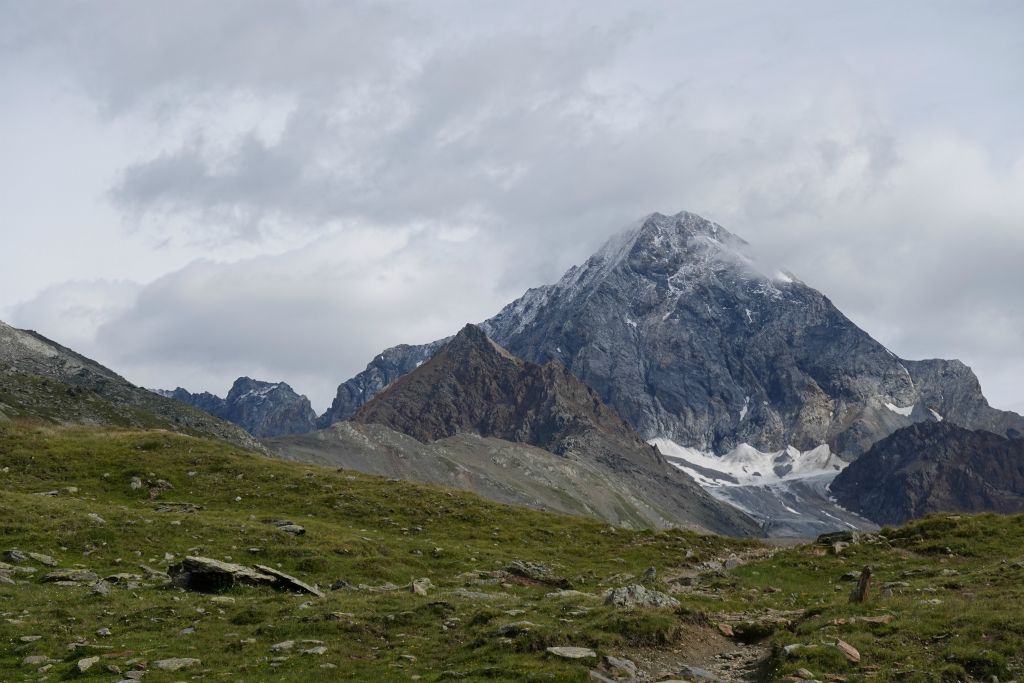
x,y
73,575
569,652
176,663
288,582
209,575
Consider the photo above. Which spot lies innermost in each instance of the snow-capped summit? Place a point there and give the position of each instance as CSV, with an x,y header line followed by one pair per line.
x,y
688,339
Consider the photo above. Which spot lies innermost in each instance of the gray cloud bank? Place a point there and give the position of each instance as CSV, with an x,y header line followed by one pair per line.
x,y
393,170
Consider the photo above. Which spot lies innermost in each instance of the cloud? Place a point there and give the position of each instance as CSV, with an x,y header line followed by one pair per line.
x,y
373,173
308,316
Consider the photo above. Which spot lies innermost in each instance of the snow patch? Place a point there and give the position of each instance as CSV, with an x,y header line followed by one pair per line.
x,y
935,414
630,322
746,406
905,412
745,465
749,318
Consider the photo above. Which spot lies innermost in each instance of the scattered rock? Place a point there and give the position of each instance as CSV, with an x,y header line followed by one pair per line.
x,y
477,595
283,646
96,519
103,632
288,527
43,559
620,666
726,630
36,660
537,572
70,575
86,664
847,537
567,652
804,674
15,556
516,628
420,586
318,650
849,651
569,594
636,596
176,663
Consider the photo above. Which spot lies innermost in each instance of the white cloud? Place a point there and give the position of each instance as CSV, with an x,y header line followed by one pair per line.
x,y
358,175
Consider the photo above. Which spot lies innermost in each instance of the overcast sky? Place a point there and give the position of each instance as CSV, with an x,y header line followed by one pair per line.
x,y
193,190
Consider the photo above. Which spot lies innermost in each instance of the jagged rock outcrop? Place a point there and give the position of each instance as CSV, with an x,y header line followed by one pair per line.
x,y
934,467
384,369
678,330
473,386
263,409
40,379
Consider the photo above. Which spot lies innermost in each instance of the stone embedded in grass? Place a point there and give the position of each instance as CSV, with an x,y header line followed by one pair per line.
x,y
569,652
288,527
15,556
849,651
36,660
318,650
536,572
636,596
87,663
515,628
176,663
43,559
420,586
283,646
74,576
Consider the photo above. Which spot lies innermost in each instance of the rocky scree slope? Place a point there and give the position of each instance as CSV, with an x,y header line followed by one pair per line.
x,y
934,467
40,379
678,330
473,386
264,409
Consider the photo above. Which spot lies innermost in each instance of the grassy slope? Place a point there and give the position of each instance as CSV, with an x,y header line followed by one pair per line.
x,y
370,530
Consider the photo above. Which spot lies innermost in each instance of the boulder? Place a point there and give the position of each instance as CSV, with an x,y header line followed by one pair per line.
x,y
208,575
636,596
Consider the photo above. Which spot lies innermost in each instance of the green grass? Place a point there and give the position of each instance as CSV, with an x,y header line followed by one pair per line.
x,y
369,530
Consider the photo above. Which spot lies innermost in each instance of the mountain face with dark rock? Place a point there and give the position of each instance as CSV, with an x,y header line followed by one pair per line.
x,y
384,369
678,330
934,467
263,409
473,386
42,380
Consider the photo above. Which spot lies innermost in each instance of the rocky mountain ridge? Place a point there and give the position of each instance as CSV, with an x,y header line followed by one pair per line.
x,y
40,379
678,330
473,388
934,467
264,409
